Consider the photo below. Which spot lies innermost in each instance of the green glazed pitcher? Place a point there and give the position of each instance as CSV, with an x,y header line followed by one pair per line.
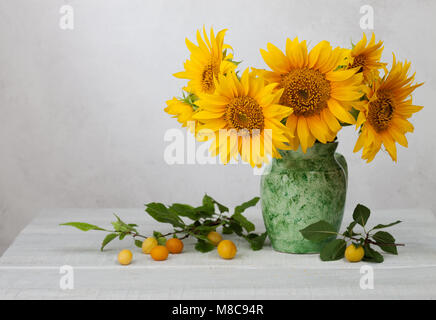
x,y
301,189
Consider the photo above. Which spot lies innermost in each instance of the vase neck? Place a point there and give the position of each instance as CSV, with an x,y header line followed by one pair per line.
x,y
318,150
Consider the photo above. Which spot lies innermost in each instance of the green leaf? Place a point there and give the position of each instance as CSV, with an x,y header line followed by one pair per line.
x,y
203,212
107,239
241,208
243,221
221,207
318,231
236,228
207,209
161,241
161,213
349,232
361,214
184,210
381,226
157,234
228,230
256,241
121,226
82,226
236,63
204,246
208,203
138,243
206,229
382,238
371,255
199,236
122,235
333,250
239,219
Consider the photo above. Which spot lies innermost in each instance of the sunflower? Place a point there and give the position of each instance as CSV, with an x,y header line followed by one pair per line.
x,y
315,88
383,118
244,117
181,110
207,61
367,57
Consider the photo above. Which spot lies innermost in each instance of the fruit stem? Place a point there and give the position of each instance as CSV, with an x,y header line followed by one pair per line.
x,y
378,243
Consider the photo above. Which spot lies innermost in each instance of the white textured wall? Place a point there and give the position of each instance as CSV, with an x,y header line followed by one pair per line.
x,y
81,119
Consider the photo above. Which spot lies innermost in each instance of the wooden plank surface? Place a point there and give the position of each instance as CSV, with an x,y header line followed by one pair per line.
x,y
30,268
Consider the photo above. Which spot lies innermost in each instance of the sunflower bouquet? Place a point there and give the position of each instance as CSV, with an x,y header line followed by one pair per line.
x,y
293,111
305,98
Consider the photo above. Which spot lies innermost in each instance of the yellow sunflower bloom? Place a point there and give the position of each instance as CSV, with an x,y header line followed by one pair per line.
x,y
383,118
315,89
244,117
181,110
206,62
367,57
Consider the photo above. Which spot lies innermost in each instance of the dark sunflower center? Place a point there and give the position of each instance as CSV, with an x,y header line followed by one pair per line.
x,y
244,113
207,77
381,112
359,61
306,91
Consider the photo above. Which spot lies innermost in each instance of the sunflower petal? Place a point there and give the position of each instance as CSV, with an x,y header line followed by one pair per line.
x,y
339,112
304,134
389,143
318,129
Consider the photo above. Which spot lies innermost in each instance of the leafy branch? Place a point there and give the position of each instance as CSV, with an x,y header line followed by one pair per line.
x,y
120,231
202,220
323,231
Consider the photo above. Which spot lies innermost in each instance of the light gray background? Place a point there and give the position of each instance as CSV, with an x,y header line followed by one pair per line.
x,y
81,112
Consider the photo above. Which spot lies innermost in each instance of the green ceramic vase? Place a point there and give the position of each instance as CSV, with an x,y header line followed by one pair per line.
x,y
301,189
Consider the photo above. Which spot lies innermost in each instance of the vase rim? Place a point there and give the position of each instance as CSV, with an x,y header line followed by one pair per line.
x,y
317,150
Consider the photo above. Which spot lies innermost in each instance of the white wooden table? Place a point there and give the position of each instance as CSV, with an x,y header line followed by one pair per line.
x,y
30,268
